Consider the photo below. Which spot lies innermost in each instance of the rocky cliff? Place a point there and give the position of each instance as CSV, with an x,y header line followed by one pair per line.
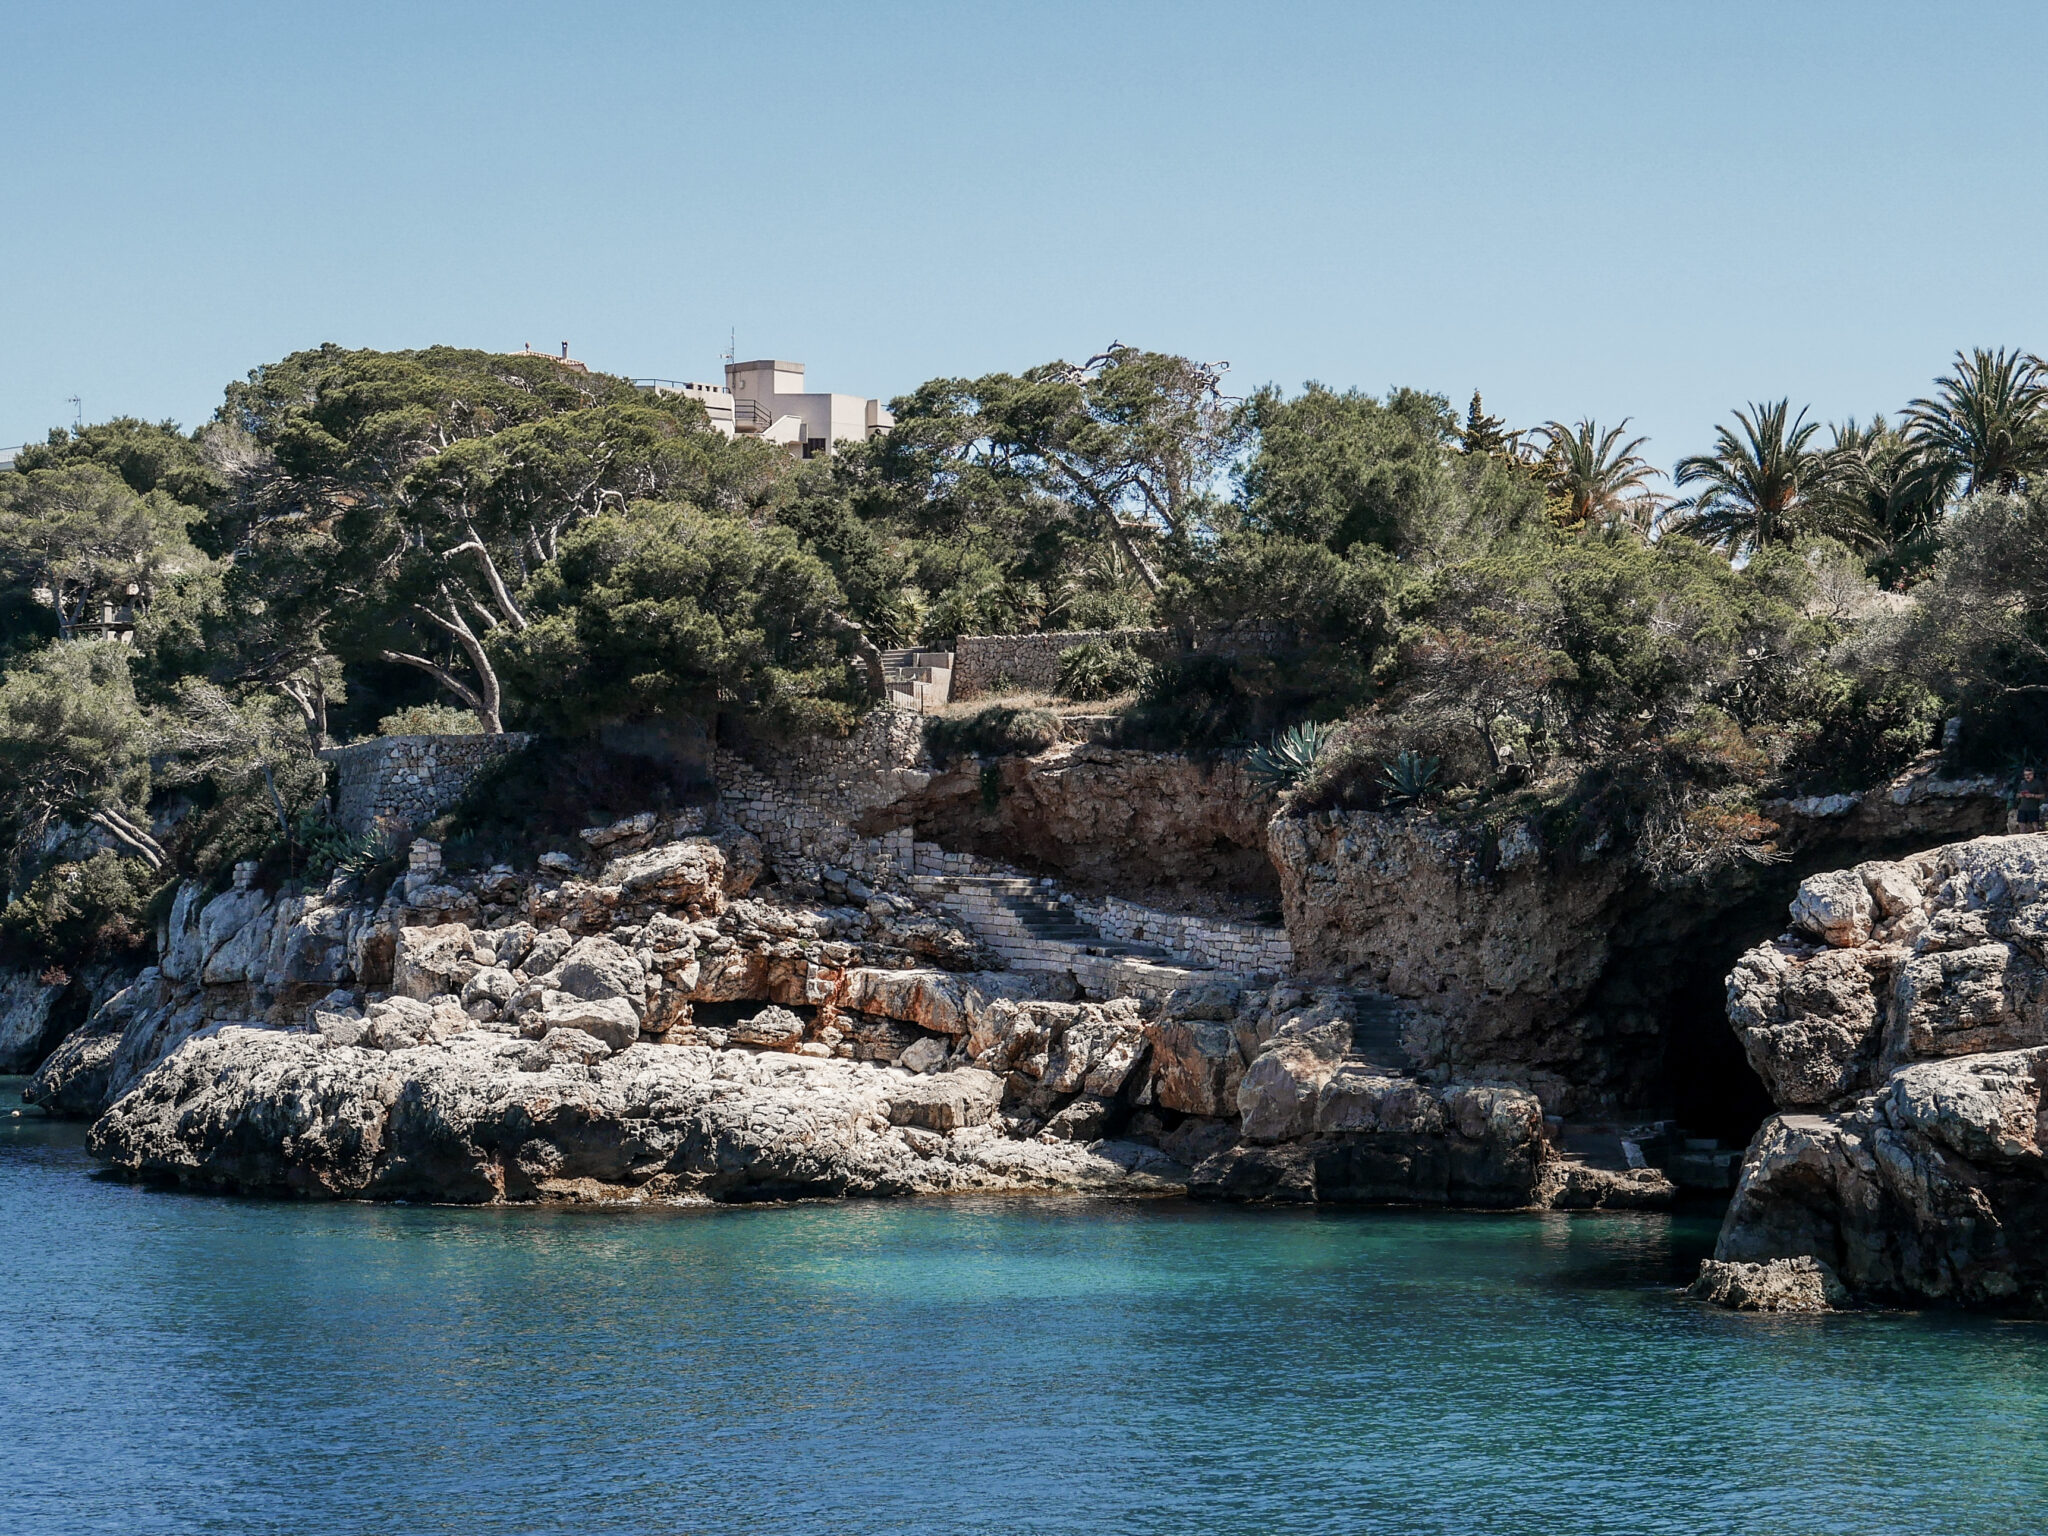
x,y
1150,826
1902,1025
1544,958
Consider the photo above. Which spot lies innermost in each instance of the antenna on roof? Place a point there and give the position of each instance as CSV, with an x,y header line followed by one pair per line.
x,y
77,413
732,342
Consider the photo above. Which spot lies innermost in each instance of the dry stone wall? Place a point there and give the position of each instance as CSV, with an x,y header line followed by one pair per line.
x,y
393,784
803,801
1229,945
989,663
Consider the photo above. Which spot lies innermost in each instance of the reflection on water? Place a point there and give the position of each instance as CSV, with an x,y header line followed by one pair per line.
x,y
993,1365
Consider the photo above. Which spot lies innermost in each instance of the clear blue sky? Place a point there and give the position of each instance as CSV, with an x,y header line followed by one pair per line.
x,y
1633,209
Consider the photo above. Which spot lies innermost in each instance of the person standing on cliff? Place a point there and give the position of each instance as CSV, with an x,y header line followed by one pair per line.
x,y
2026,801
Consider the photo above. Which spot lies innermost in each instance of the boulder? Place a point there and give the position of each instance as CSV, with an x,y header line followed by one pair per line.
x,y
773,1028
1810,1020
431,961
493,984
925,1055
933,1000
1087,1118
946,1101
570,1043
689,874
1778,1285
1280,1091
1574,1186
596,968
1835,908
1935,1190
233,935
1197,1065
1031,1038
612,1020
1282,1088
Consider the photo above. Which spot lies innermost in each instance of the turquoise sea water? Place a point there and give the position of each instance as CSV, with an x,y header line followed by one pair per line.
x,y
175,1363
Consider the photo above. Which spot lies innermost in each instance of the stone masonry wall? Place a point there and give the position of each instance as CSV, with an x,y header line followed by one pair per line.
x,y
1217,941
1032,662
802,801
394,784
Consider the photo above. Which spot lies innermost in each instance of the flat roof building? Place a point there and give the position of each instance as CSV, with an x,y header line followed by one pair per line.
x,y
766,398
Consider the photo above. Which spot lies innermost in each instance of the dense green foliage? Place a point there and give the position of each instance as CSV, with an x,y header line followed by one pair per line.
x,y
1397,604
997,730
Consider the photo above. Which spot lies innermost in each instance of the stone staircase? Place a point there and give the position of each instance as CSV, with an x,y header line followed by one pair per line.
x,y
1021,921
920,681
1376,1032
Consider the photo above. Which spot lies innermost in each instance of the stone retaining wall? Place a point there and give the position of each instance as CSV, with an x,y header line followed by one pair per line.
x,y
393,784
1218,941
803,801
987,663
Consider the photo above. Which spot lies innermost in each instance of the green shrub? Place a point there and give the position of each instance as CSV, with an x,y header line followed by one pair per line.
x,y
1198,702
429,720
997,731
1099,669
78,912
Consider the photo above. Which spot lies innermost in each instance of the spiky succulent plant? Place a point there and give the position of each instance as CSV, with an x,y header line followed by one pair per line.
x,y
1289,757
1408,776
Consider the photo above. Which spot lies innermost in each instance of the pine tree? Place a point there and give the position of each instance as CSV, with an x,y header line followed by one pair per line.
x,y
1483,433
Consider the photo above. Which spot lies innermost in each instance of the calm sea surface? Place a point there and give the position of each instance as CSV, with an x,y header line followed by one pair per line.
x,y
184,1364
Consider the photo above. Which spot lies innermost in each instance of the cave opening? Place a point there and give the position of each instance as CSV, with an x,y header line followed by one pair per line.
x,y
1709,1084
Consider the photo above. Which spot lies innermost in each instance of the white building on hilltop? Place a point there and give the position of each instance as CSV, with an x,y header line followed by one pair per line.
x,y
766,398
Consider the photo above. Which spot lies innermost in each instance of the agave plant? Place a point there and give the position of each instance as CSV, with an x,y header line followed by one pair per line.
x,y
1408,776
1288,758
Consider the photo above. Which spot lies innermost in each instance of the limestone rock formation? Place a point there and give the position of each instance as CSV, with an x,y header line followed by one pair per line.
x,y
484,1117
1548,959
1778,1285
1936,1189
638,1024
1381,1139
26,1004
1910,1009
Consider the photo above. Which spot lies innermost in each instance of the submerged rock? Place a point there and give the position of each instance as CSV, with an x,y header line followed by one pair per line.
x,y
1778,1285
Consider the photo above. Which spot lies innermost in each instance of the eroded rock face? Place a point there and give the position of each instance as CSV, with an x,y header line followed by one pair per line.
x,y
1393,1141
1495,960
1936,1189
26,1002
489,1118
1539,956
1103,819
1940,955
1911,1007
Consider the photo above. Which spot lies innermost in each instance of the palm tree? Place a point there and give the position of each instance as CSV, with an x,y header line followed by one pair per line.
x,y
1987,419
1755,483
1596,475
1881,492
